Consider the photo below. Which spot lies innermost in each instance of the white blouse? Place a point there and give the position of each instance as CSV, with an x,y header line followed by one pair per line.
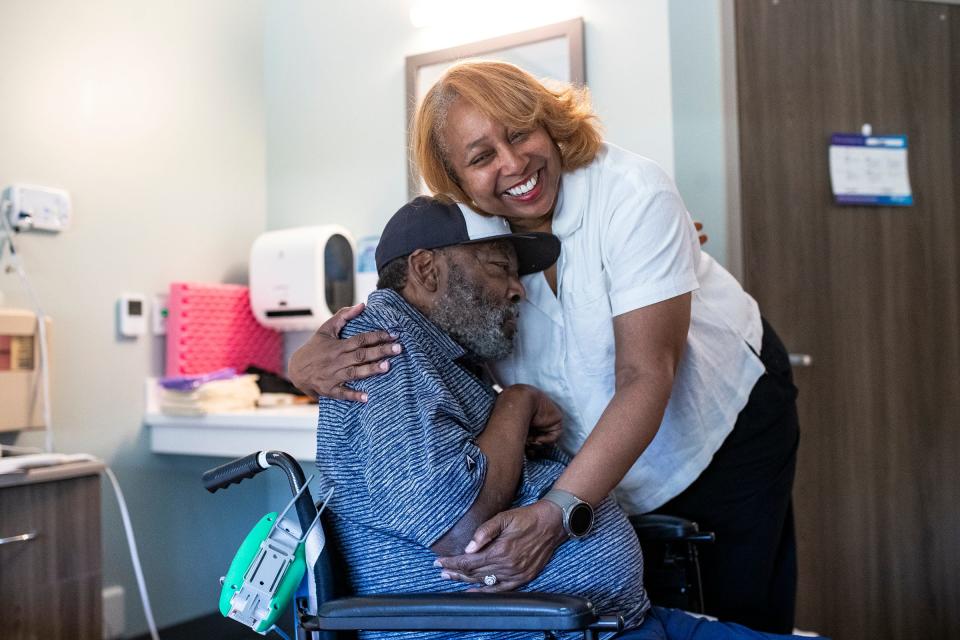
x,y
628,242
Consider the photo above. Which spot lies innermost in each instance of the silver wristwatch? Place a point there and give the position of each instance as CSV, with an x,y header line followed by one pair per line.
x,y
577,514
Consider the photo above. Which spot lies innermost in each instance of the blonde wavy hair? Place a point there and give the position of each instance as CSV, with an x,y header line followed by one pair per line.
x,y
511,96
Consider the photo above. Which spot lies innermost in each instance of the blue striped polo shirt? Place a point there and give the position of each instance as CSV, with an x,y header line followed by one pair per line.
x,y
406,467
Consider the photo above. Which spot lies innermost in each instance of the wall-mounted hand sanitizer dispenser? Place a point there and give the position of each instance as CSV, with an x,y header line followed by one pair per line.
x,y
300,277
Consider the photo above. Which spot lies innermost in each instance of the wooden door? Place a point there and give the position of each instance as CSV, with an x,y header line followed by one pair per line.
x,y
872,294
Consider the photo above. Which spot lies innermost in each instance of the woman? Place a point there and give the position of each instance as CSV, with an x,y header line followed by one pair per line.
x,y
648,346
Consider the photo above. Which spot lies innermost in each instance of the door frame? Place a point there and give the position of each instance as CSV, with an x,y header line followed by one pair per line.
x,y
731,140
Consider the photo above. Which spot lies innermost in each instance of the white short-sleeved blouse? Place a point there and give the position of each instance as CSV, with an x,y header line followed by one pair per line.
x,y
628,242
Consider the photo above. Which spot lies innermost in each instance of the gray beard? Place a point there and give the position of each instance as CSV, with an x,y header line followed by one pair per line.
x,y
473,319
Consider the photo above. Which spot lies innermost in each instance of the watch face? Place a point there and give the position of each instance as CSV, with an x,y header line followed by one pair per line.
x,y
581,520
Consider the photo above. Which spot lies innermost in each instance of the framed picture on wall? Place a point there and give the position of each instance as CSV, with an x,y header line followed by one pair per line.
x,y
551,52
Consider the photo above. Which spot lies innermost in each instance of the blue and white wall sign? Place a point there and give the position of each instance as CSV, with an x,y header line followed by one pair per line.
x,y
870,170
365,281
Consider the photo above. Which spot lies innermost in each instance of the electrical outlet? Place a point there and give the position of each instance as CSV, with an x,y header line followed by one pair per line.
x,y
158,314
114,618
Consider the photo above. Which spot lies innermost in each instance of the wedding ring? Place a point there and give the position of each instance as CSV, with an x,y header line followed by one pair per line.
x,y
490,580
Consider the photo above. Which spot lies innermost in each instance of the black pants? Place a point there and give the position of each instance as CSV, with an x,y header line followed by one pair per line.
x,y
744,497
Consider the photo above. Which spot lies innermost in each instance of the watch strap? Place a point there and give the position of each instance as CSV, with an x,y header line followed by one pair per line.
x,y
561,498
567,503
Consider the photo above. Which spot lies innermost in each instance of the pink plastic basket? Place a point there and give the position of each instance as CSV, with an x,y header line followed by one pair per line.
x,y
210,326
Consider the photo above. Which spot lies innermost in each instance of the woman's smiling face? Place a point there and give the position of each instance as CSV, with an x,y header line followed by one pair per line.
x,y
507,172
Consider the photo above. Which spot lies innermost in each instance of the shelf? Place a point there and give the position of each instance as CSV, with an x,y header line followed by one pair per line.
x,y
233,434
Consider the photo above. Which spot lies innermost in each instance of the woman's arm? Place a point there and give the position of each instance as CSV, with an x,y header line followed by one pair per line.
x,y
649,343
520,542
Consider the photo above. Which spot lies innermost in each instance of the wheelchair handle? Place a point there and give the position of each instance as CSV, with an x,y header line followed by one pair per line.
x,y
236,471
250,465
232,472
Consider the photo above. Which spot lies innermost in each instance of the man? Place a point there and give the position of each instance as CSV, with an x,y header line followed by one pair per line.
x,y
434,452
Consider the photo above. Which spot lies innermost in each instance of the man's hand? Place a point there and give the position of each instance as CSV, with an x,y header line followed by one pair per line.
x,y
514,546
546,419
545,426
325,362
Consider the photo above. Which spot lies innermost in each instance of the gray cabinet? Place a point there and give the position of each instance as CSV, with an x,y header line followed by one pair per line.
x,y
50,559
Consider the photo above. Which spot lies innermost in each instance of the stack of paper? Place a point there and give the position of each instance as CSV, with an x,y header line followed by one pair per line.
x,y
229,394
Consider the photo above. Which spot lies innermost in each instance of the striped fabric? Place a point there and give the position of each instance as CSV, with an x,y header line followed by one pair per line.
x,y
406,468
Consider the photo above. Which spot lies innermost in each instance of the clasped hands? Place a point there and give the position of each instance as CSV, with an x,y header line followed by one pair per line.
x,y
514,545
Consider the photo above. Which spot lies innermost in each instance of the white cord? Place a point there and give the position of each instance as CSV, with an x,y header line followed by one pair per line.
x,y
134,555
17,264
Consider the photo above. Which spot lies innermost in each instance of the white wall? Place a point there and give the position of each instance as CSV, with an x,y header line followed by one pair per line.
x,y
335,92
697,72
151,114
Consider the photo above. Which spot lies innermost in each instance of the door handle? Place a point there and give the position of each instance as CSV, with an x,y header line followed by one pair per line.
x,y
801,360
23,537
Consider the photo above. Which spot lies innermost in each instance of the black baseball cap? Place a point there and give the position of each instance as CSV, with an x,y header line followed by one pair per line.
x,y
428,223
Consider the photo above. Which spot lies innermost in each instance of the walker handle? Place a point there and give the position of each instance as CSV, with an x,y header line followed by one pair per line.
x,y
232,472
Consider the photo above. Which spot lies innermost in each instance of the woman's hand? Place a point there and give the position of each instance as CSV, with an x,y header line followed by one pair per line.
x,y
514,546
325,362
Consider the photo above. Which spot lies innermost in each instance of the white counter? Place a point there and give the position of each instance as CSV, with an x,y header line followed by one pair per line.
x,y
233,434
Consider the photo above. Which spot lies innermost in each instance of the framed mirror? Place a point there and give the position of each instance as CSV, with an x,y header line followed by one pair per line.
x,y
554,51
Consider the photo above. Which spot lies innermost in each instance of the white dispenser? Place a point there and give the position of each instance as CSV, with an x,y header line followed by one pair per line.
x,y
299,277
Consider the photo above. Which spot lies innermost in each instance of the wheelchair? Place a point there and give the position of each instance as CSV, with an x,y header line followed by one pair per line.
x,y
325,610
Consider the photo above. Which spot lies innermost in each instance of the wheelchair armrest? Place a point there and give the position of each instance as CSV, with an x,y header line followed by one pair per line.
x,y
459,612
655,527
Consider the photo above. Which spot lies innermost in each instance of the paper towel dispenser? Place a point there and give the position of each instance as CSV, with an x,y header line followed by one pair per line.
x,y
299,277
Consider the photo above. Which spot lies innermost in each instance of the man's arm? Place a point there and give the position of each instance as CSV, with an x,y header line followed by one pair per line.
x,y
502,443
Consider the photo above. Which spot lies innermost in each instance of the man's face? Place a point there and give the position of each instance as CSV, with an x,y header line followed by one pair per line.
x,y
478,303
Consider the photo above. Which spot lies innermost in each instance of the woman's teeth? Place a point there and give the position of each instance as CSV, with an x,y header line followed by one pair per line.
x,y
521,189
